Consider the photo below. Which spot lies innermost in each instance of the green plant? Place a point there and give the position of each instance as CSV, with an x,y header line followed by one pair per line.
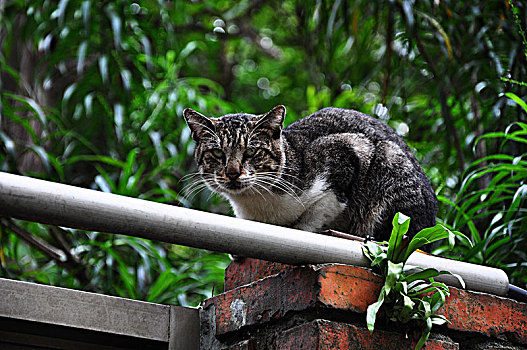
x,y
494,213
92,92
490,201
409,293
108,119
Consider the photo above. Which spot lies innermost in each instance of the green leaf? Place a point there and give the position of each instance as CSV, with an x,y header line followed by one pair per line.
x,y
43,155
8,143
470,223
400,224
518,100
127,172
393,275
32,104
439,320
437,300
426,288
424,275
162,283
519,195
425,335
427,236
96,158
81,55
373,309
374,253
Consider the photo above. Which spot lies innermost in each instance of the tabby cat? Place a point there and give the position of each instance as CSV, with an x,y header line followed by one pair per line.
x,y
335,169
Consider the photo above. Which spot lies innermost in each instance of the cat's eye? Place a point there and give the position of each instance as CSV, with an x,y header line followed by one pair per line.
x,y
249,152
216,152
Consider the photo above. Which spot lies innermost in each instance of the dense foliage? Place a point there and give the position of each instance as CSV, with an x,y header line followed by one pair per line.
x,y
92,94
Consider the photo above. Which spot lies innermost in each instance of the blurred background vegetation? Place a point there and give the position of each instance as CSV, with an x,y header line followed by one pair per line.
x,y
92,94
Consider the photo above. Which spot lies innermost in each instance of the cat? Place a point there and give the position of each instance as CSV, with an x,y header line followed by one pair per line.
x,y
335,169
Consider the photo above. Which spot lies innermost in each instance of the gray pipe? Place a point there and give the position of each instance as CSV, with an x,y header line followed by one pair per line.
x,y
63,205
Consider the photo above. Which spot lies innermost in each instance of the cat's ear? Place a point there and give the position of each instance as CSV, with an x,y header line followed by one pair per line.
x,y
198,124
273,120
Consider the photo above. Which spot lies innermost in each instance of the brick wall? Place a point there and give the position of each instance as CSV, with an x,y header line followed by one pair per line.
x,y
274,306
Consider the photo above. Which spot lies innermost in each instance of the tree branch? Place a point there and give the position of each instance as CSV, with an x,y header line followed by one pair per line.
x,y
46,248
63,258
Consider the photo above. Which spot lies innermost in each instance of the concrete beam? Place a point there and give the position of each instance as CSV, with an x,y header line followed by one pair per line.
x,y
176,326
62,205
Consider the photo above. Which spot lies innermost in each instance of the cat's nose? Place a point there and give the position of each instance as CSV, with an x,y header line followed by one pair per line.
x,y
233,171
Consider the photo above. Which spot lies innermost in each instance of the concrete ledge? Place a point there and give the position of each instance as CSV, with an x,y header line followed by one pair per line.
x,y
78,310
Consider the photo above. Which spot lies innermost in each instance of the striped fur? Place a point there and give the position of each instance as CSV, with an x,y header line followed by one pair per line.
x,y
336,168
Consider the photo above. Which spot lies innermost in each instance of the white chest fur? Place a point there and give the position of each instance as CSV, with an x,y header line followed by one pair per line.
x,y
310,210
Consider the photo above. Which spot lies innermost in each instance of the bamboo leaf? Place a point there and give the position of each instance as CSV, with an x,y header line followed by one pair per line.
x,y
472,227
127,172
439,29
81,55
103,68
518,100
519,195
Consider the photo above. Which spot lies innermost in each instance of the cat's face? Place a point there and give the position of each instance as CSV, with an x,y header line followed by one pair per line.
x,y
238,153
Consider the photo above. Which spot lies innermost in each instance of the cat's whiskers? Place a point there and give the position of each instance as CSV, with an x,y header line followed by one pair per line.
x,y
280,184
253,181
278,177
294,170
212,193
283,186
195,191
274,177
189,176
191,190
260,193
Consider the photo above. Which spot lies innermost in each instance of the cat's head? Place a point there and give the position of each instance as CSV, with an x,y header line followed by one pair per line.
x,y
238,153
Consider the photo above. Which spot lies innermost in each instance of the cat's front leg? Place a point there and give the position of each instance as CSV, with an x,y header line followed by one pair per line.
x,y
321,214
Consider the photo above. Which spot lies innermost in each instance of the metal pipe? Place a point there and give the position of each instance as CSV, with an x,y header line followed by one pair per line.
x,y
63,205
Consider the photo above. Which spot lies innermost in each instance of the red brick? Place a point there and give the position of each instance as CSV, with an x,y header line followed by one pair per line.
x,y
248,270
348,287
327,335
269,298
487,314
352,289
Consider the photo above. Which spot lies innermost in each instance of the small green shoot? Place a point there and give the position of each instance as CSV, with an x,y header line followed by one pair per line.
x,y
409,293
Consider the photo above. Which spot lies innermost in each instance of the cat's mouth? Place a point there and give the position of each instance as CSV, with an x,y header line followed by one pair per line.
x,y
233,186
